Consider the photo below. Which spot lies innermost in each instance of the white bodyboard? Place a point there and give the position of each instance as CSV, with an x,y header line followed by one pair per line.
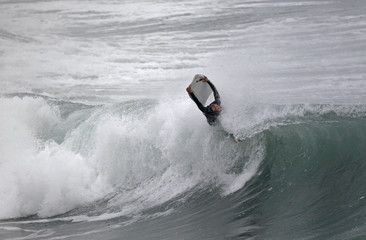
x,y
200,89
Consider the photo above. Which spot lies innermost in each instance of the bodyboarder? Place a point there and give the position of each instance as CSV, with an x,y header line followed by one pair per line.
x,y
213,110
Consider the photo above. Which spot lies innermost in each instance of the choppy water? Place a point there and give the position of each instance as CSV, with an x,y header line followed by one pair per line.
x,y
98,139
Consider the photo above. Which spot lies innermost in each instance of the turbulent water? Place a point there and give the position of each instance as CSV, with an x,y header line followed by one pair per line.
x,y
99,140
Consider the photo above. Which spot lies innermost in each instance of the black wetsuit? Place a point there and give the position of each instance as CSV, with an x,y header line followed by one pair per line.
x,y
207,111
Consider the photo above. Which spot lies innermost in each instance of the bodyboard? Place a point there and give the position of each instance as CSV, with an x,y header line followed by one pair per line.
x,y
200,89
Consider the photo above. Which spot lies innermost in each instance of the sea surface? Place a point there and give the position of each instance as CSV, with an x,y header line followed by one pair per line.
x,y
99,139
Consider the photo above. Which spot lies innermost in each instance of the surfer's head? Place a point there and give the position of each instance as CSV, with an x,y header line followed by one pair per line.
x,y
215,107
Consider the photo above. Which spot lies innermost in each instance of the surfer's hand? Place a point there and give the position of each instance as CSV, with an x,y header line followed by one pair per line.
x,y
189,90
205,79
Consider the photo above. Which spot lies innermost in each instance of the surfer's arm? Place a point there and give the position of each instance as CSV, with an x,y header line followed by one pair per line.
x,y
215,92
194,98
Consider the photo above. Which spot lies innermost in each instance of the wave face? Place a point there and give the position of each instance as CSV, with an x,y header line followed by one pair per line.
x,y
143,166
315,179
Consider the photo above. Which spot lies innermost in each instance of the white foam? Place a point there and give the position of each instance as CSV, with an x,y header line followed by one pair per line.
x,y
163,152
39,176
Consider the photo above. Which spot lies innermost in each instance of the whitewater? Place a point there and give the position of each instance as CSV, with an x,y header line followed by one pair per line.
x,y
99,139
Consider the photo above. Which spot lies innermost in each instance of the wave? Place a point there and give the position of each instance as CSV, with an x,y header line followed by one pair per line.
x,y
58,156
297,171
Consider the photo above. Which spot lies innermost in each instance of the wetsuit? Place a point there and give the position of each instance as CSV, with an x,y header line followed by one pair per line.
x,y
207,111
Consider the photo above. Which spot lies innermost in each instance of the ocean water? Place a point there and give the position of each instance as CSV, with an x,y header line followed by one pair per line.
x,y
99,139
